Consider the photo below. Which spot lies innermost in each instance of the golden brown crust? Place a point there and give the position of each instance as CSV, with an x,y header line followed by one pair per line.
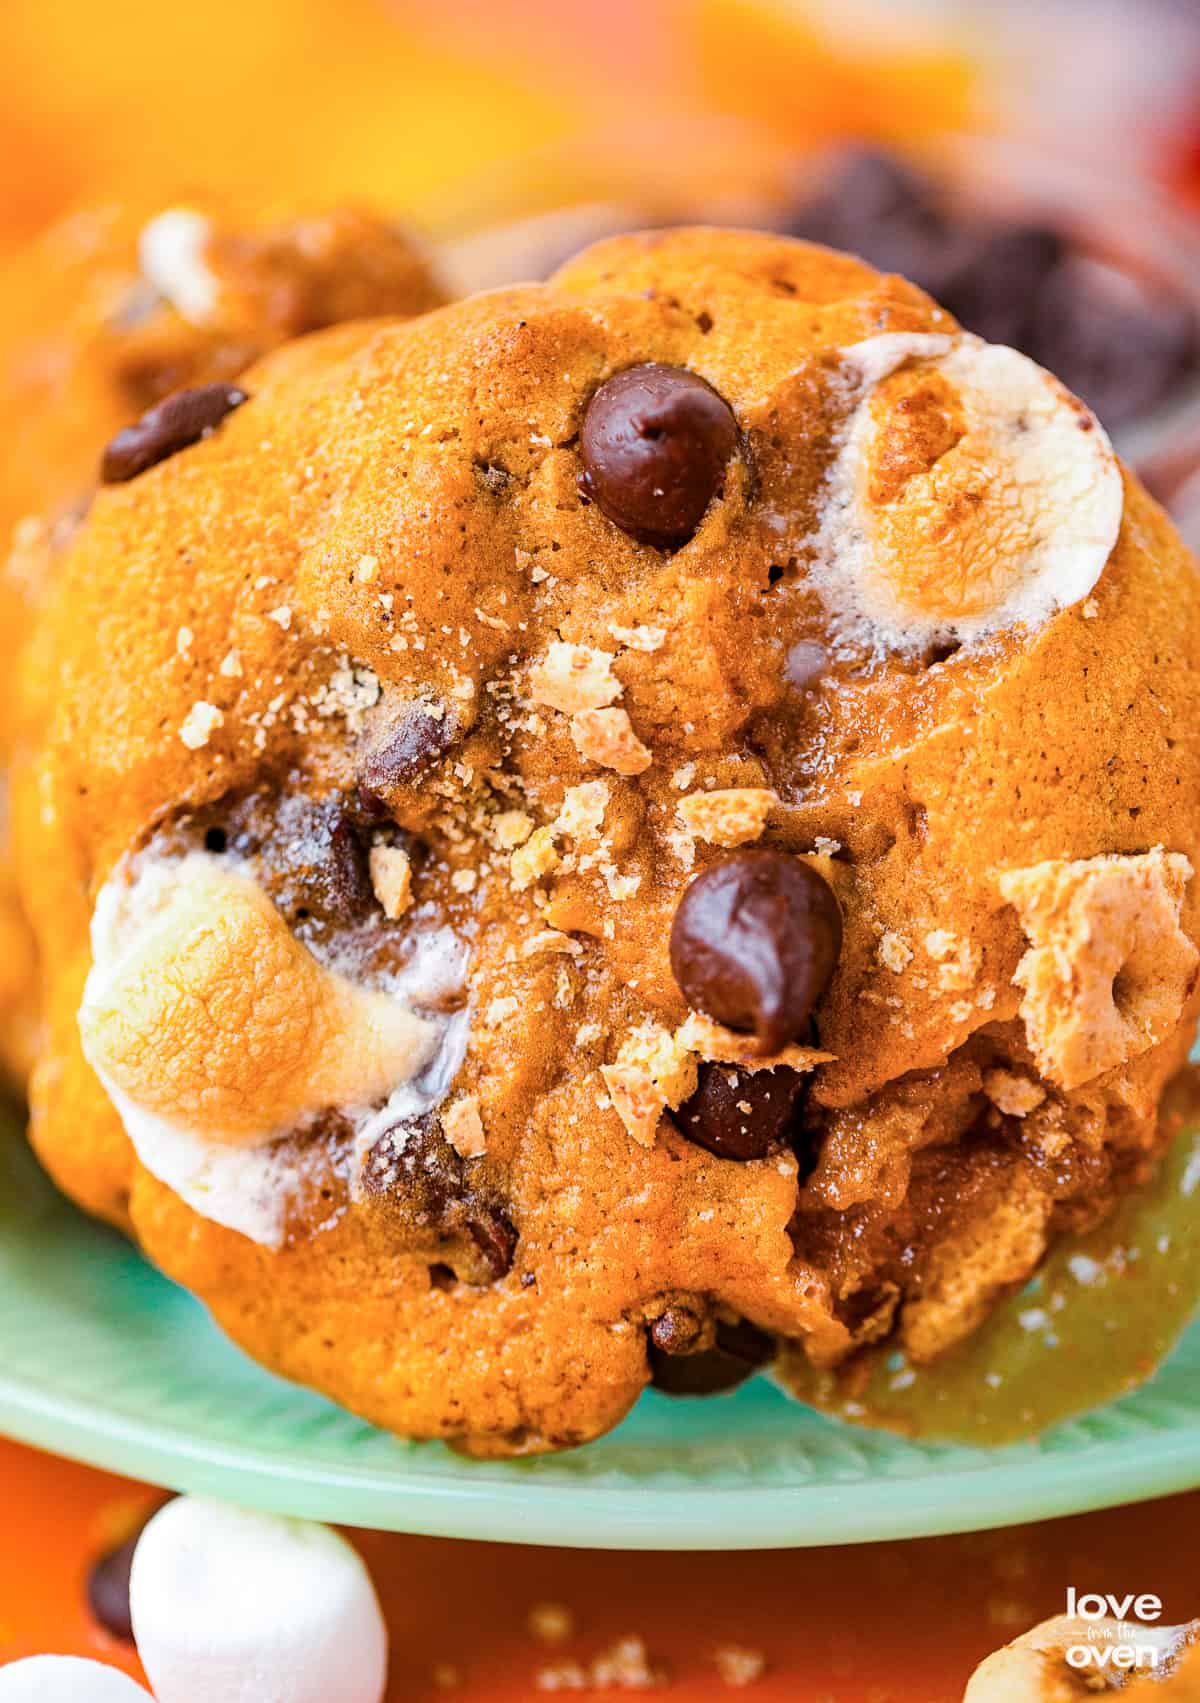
x,y
395,514
88,341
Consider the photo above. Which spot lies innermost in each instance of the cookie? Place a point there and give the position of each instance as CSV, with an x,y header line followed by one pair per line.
x,y
615,823
103,320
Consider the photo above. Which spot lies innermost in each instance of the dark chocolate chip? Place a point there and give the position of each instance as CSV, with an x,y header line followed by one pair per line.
x,y
108,1585
655,444
172,425
755,942
993,278
414,1173
397,750
677,1331
742,1114
108,1589
738,1352
320,859
1116,342
873,204
493,1234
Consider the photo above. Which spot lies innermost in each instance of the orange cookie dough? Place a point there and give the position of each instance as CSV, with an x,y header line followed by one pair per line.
x,y
393,721
105,316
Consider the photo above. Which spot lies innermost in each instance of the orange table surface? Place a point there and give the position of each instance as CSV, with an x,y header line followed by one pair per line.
x,y
876,1623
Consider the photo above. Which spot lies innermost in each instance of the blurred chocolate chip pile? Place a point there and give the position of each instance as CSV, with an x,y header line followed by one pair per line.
x,y
1122,342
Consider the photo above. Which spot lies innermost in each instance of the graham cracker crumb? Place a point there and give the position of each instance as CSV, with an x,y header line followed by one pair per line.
x,y
511,828
1012,1093
895,953
739,1666
391,877
728,817
574,677
537,857
551,1622
463,1127
582,813
643,638
199,724
653,1071
712,1041
606,737
1109,969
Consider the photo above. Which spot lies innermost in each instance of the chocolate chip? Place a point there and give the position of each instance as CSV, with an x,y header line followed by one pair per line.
x,y
873,204
655,443
494,1236
1120,345
320,860
992,280
738,1351
755,942
108,1585
742,1114
400,745
678,1330
167,428
108,1589
416,1177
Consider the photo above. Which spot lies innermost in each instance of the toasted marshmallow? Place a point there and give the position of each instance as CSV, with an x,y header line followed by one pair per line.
x,y
66,1679
971,493
214,1032
1070,1657
171,255
203,1008
229,1605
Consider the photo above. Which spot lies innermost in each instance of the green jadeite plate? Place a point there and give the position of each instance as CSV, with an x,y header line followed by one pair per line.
x,y
103,1359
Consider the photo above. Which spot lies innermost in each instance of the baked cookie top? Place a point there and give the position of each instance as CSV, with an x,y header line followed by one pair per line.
x,y
394,712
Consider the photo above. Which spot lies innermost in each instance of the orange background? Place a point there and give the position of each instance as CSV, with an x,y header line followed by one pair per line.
x,y
430,106
450,110
879,1623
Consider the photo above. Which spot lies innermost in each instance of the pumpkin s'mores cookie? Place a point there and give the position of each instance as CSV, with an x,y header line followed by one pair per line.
x,y
609,828
103,319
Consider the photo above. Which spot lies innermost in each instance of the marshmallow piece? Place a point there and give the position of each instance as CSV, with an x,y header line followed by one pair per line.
x,y
66,1679
971,493
1064,1658
231,1606
171,255
203,1008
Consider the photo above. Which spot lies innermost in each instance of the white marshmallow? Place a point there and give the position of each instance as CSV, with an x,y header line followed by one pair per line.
x,y
66,1679
1011,520
171,255
231,1606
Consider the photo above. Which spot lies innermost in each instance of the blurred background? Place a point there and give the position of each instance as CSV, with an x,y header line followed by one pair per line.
x,y
439,107
1056,144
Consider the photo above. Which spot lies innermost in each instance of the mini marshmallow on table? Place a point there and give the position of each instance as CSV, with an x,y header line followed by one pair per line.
x,y
66,1679
231,1606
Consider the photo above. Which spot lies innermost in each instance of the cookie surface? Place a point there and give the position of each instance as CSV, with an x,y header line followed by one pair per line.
x,y
103,318
391,724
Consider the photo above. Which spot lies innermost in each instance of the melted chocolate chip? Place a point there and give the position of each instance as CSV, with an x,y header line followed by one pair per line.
x,y
738,1351
167,428
414,1173
742,1114
396,752
677,1331
655,444
320,860
755,942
